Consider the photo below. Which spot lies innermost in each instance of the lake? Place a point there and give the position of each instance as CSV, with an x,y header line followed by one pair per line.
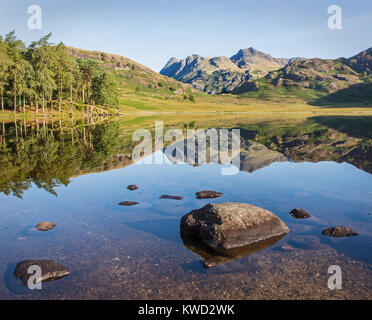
x,y
75,172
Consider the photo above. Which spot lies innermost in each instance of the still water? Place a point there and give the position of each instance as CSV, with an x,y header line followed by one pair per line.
x,y
76,175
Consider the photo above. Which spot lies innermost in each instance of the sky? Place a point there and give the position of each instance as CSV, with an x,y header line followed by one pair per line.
x,y
151,32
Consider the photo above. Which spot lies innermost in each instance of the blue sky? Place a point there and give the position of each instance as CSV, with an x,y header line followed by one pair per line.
x,y
151,32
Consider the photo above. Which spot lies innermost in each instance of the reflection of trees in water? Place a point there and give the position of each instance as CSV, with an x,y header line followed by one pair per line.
x,y
48,154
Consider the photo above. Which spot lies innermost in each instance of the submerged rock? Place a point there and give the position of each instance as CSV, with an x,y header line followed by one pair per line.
x,y
300,214
167,196
339,232
132,187
229,225
128,203
207,264
50,270
286,247
207,194
45,226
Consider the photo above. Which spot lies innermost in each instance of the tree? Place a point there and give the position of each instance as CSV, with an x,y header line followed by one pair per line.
x,y
63,66
40,55
104,90
44,73
4,65
89,69
15,50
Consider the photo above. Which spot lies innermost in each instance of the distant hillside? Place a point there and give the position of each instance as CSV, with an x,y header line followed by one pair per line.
x,y
320,80
133,74
361,62
222,74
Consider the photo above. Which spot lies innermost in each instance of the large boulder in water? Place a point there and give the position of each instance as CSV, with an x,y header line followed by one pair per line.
x,y
229,225
50,270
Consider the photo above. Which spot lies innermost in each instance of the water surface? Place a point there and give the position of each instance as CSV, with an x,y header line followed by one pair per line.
x,y
76,174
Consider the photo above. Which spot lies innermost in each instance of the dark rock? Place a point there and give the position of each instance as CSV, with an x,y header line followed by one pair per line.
x,y
229,225
339,232
132,187
128,203
167,196
45,226
207,194
50,270
299,214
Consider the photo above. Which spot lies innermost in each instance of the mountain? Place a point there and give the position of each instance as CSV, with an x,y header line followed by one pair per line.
x,y
131,74
322,80
222,74
361,62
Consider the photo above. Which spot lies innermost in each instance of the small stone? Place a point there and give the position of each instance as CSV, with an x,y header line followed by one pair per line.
x,y
50,270
45,226
208,265
207,194
339,232
299,214
287,247
167,196
128,203
132,187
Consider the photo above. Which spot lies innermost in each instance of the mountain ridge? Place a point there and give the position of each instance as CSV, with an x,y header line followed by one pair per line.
x,y
325,80
222,74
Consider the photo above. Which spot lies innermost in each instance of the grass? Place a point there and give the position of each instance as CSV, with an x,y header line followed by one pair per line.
x,y
139,100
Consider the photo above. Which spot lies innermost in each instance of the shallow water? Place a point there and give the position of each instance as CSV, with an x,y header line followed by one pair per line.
x,y
118,252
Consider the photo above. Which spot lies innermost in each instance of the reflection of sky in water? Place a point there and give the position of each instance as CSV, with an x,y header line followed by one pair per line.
x,y
335,194
330,191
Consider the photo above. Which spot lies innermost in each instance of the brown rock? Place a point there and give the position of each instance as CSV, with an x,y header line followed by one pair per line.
x,y
231,225
207,194
45,226
50,270
128,203
132,187
167,196
299,214
339,232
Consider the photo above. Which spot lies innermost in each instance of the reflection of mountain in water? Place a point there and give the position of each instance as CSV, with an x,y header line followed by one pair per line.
x,y
265,143
255,156
252,155
324,145
48,154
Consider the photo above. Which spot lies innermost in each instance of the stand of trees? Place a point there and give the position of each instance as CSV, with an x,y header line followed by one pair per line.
x,y
44,76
